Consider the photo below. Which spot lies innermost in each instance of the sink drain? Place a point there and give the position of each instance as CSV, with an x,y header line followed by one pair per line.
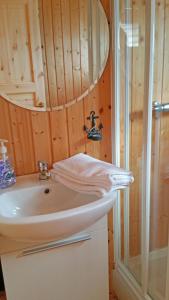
x,y
46,191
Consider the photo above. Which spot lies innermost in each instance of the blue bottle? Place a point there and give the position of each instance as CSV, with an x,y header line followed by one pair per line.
x,y
7,174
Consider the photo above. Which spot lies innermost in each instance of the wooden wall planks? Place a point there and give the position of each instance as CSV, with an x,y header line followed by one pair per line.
x,y
55,135
69,55
21,71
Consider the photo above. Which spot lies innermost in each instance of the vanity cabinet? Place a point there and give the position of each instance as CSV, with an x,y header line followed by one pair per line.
x,y
75,269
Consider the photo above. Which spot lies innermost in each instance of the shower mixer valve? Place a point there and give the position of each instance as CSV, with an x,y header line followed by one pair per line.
x,y
94,133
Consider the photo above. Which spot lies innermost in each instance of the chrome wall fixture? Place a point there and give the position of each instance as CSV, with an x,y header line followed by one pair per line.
x,y
159,107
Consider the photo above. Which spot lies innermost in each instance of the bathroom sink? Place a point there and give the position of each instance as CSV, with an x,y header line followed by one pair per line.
x,y
34,210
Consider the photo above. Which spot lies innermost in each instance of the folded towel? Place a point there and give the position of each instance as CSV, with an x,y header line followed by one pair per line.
x,y
86,166
118,180
86,174
85,189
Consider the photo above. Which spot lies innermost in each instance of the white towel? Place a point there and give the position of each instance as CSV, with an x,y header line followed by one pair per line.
x,y
86,174
84,189
105,183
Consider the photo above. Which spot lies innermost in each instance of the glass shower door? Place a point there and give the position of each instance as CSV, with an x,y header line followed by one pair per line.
x,y
143,83
142,107
132,78
159,203
158,282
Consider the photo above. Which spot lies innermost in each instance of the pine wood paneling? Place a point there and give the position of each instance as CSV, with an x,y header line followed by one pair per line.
x,y
22,140
49,51
84,44
41,137
75,114
76,60
53,136
59,54
90,104
21,70
5,127
67,48
69,55
59,135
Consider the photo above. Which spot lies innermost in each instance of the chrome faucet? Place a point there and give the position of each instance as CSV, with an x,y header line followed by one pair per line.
x,y
44,173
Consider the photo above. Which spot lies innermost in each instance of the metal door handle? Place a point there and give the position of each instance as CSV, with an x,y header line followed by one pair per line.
x,y
158,107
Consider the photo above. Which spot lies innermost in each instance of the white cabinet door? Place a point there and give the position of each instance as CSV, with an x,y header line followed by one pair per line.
x,y
75,272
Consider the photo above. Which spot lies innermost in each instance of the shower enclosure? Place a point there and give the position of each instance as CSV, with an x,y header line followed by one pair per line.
x,y
141,144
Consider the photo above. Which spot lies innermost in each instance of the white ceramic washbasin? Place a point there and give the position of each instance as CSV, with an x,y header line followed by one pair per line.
x,y
34,210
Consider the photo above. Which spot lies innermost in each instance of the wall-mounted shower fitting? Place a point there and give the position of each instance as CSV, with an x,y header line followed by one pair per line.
x,y
94,133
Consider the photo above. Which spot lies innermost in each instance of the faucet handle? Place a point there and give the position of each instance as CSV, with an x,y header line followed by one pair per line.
x,y
43,165
43,168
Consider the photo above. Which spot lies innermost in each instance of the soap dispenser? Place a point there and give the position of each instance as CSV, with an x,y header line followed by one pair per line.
x,y
7,175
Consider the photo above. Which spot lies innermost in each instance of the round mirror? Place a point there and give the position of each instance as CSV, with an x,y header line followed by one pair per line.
x,y
52,53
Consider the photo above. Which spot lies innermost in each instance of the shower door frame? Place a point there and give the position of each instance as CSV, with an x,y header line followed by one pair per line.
x,y
139,290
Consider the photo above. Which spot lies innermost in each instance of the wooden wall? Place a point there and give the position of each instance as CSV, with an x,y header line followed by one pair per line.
x,y
21,64
73,38
73,60
53,136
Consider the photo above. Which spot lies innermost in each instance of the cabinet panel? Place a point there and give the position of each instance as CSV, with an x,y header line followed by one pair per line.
x,y
78,271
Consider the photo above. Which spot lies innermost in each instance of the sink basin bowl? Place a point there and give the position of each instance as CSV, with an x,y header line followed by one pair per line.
x,y
44,211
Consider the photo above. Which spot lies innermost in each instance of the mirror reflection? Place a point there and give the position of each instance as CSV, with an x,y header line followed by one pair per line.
x,y
52,53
